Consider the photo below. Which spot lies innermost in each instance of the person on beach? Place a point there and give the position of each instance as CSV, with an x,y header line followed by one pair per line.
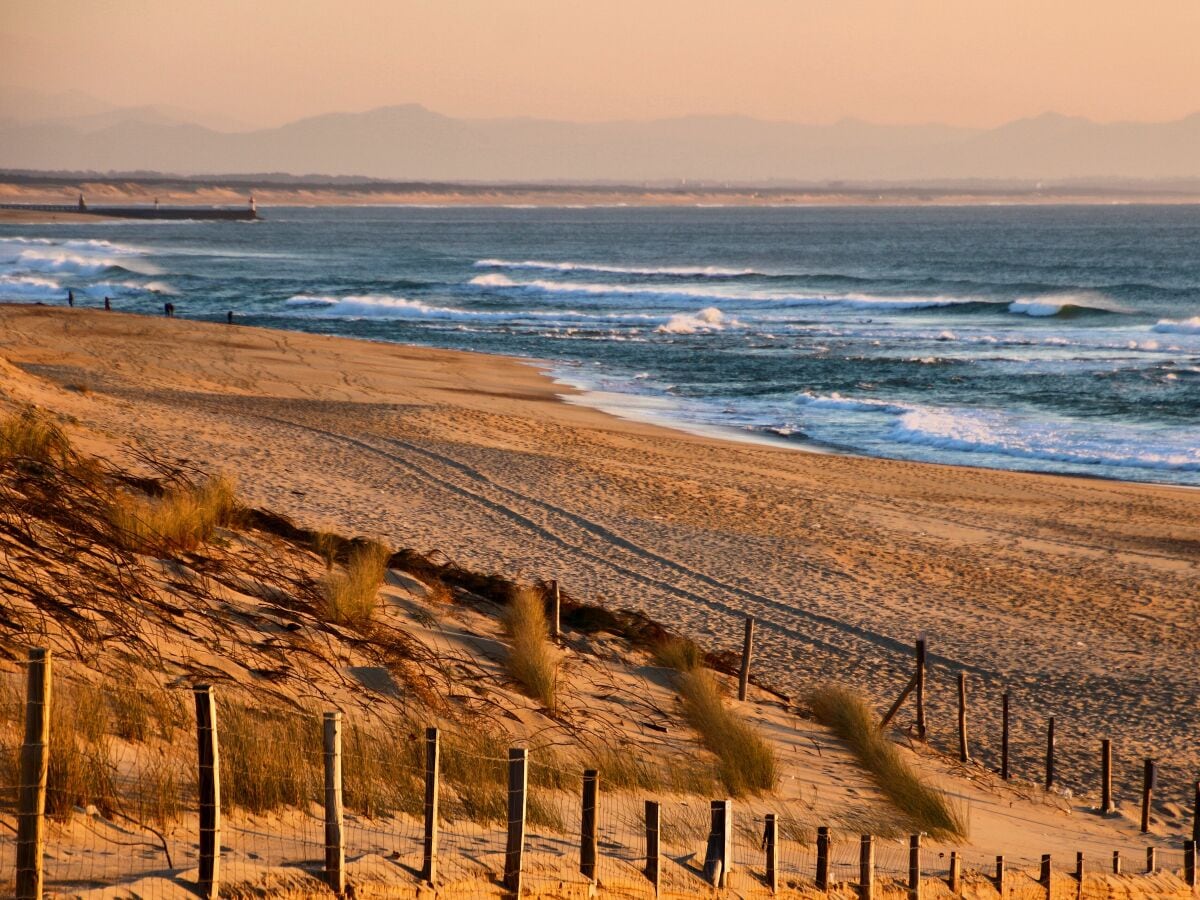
x,y
229,317
71,298
107,304
169,310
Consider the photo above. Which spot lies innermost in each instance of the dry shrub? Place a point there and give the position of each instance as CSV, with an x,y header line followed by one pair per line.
x,y
350,597
852,719
532,659
29,435
182,519
746,761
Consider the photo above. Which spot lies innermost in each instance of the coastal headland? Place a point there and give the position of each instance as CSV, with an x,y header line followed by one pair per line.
x,y
1074,595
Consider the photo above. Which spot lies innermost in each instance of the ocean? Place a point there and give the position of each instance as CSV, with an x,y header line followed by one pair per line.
x,y
1050,339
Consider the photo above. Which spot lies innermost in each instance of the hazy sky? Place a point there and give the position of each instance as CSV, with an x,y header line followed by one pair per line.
x,y
976,62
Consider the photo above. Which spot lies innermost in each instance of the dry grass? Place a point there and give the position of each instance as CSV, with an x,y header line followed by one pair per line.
x,y
351,597
532,659
30,436
630,770
746,762
852,719
325,544
268,760
679,654
182,519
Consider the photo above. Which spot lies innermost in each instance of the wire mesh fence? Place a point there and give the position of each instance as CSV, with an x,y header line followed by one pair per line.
x,y
123,796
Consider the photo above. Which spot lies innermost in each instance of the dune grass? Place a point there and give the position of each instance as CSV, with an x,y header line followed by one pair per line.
x,y
746,761
183,518
853,720
532,659
351,597
30,436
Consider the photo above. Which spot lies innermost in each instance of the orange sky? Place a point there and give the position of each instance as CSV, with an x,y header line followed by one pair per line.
x,y
974,62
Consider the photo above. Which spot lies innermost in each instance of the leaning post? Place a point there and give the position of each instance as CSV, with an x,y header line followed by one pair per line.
x,y
964,752
921,729
747,655
1050,754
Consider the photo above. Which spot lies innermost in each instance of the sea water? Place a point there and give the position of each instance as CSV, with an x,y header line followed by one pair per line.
x,y
1054,339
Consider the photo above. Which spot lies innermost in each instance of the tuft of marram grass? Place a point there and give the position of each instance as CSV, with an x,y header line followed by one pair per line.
x,y
29,435
182,519
351,597
852,719
746,761
532,659
680,654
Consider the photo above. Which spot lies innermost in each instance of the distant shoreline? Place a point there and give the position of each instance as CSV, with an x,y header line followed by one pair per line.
x,y
235,191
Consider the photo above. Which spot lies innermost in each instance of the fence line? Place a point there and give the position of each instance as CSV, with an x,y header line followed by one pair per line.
x,y
420,811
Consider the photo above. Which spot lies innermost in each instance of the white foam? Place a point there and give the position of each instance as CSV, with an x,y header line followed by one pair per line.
x,y
704,321
725,294
1053,304
980,431
681,271
28,287
1186,326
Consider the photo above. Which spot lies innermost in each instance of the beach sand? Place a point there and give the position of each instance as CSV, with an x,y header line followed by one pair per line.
x,y
1077,595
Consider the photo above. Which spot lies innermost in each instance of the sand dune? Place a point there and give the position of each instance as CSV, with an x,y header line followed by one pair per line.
x,y
1077,595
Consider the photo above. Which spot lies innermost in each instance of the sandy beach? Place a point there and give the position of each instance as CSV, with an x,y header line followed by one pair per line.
x,y
1076,595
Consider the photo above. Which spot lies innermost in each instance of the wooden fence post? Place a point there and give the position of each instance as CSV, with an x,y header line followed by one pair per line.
x,y
822,858
1189,863
955,872
718,856
1079,870
1000,876
35,763
1151,861
914,866
518,785
921,729
555,610
1044,875
964,752
1050,754
1196,815
747,655
1106,802
653,827
209,784
1004,738
1116,868
433,760
1149,779
335,845
771,846
587,830
866,867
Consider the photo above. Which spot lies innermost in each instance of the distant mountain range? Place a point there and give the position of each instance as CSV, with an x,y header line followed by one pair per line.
x,y
410,142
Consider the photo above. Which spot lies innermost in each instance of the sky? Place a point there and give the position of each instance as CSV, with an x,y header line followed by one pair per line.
x,y
959,62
